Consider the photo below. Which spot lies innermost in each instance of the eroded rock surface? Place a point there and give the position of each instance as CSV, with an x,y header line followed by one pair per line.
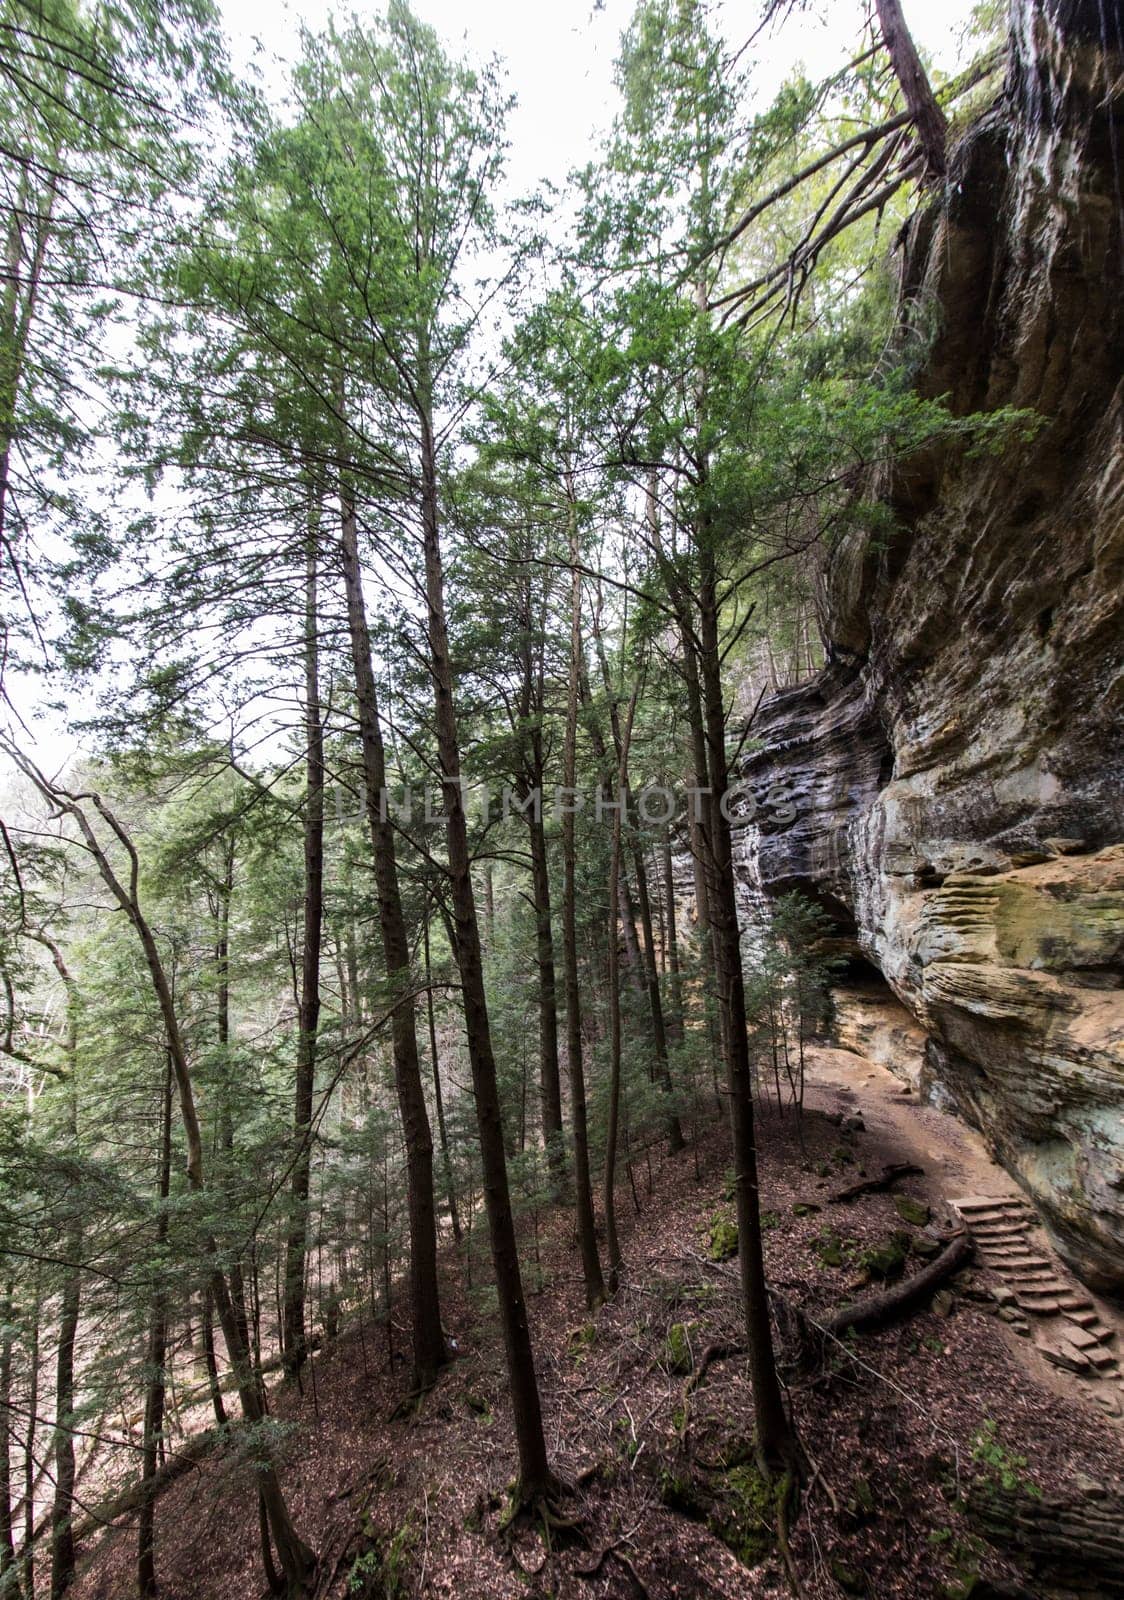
x,y
957,771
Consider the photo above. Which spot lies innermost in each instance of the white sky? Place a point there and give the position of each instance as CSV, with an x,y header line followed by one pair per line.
x,y
560,53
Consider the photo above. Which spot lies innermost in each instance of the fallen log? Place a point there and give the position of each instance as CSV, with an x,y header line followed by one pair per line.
x,y
134,1495
1073,1538
875,1310
890,1176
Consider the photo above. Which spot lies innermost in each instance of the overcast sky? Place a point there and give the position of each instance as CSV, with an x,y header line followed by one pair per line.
x,y
559,55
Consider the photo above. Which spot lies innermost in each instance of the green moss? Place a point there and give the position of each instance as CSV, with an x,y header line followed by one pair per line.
x,y
849,1579
381,1571
678,1493
829,1249
582,1338
744,1517
723,1239
805,1208
770,1219
915,1212
886,1260
677,1348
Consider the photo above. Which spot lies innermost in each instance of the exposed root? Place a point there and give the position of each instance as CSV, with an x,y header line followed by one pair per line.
x,y
788,1500
719,1350
614,1552
540,1508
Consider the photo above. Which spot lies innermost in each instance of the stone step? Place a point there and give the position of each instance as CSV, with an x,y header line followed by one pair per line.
x,y
990,1215
1083,1319
1012,1260
1066,1357
1081,1338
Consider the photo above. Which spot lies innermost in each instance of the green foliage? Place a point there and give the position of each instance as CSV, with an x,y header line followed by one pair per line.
x,y
723,1239
1000,1463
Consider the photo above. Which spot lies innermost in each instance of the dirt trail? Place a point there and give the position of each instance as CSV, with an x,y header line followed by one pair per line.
x,y
957,1163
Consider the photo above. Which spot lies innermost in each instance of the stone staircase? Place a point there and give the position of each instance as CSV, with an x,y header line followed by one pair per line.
x,y
1037,1297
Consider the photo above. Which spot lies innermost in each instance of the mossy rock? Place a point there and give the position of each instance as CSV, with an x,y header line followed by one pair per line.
x,y
829,1249
723,1239
677,1348
886,1260
744,1517
805,1208
915,1212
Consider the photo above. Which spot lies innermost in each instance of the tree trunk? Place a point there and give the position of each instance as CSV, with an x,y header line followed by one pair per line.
x,y
646,960
429,1353
294,1342
550,1087
62,1511
208,1338
155,1354
583,1194
7,1543
438,1097
675,1020
928,118
534,1471
224,896
28,1551
624,739
776,1443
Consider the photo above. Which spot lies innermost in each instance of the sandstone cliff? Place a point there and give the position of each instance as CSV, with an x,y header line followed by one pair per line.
x,y
958,768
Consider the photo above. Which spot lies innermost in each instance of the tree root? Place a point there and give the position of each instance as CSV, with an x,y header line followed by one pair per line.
x,y
411,1402
719,1350
788,1497
540,1508
614,1552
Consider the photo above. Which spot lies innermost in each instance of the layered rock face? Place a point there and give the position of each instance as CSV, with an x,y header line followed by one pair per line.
x,y
957,771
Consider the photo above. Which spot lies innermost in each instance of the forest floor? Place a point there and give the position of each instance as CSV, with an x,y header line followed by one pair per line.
x,y
897,1425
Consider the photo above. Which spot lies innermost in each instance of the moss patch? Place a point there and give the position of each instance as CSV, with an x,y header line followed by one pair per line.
x,y
677,1348
915,1212
886,1260
723,1239
744,1514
